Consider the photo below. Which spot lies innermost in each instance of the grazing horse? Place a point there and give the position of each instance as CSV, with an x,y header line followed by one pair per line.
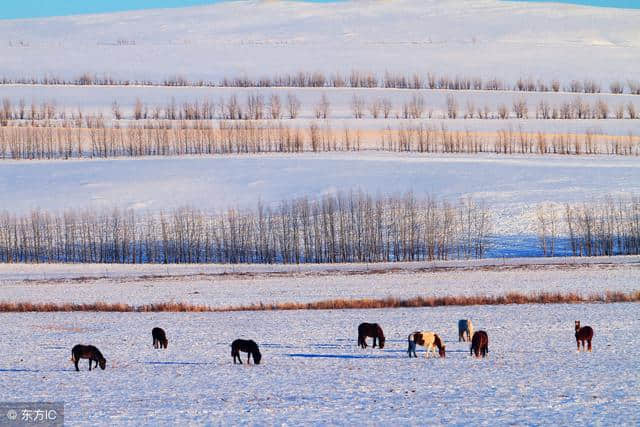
x,y
583,334
429,340
87,352
465,330
370,330
480,344
246,346
159,338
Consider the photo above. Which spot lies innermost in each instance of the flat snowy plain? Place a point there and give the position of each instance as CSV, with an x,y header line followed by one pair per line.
x,y
313,372
223,286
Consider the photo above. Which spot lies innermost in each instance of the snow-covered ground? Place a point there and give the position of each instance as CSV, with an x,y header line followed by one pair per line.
x,y
313,372
79,272
242,286
510,185
486,38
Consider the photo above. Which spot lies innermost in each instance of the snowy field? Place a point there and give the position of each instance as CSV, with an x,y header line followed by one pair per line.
x,y
313,373
510,185
242,285
255,38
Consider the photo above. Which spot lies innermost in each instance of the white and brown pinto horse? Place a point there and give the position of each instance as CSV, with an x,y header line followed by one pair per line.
x,y
429,340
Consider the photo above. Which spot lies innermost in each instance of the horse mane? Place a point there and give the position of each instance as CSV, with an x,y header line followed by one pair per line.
x,y
379,331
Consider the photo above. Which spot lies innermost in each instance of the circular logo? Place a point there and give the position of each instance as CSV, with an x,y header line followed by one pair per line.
x,y
12,414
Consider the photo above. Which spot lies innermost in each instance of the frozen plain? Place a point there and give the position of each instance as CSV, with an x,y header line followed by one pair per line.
x,y
313,373
221,286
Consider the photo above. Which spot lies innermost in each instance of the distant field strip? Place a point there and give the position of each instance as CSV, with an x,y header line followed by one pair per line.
x,y
335,304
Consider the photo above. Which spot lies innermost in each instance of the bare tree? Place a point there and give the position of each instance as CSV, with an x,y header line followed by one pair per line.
x,y
452,107
293,104
115,108
357,106
322,109
275,107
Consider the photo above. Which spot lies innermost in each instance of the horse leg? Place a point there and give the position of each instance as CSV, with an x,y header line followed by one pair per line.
x,y
89,364
589,342
374,342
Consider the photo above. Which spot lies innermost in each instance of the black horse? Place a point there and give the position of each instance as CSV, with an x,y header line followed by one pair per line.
x,y
87,352
370,330
246,346
159,338
480,344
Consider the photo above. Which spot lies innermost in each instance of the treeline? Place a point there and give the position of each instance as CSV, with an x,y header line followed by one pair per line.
x,y
429,139
606,227
92,138
274,107
353,227
354,79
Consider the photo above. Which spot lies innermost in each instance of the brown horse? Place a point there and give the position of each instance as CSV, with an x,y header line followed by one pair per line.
x,y
87,352
480,344
159,338
583,334
370,330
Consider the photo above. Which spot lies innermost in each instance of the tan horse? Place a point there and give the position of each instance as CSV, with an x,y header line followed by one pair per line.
x,y
429,340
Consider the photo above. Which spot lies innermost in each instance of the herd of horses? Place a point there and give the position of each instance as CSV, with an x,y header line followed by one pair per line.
x,y
429,340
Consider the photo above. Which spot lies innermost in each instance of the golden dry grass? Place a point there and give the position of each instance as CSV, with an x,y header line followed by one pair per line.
x,y
335,304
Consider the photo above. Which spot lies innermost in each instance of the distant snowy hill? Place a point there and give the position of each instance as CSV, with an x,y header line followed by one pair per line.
x,y
481,37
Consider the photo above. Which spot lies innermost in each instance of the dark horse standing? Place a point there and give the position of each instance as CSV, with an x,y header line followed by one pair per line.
x,y
370,330
480,344
246,346
87,352
583,334
159,338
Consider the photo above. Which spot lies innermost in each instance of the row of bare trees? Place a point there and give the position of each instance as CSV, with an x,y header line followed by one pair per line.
x,y
353,227
429,139
166,138
274,107
598,228
354,79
